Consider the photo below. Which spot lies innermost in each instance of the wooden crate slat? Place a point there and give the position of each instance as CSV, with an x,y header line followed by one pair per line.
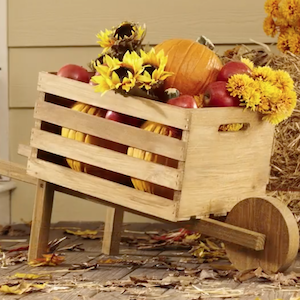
x,y
102,189
133,106
111,130
107,159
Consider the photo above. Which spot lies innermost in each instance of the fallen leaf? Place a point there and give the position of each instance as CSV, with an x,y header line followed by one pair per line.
x,y
47,260
82,233
21,288
290,279
30,276
208,274
244,275
75,247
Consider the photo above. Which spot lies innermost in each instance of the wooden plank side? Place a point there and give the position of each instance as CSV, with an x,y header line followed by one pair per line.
x,y
106,159
111,130
103,189
223,168
133,106
56,23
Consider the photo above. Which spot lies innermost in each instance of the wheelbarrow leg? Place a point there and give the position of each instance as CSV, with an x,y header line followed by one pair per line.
x,y
41,220
112,231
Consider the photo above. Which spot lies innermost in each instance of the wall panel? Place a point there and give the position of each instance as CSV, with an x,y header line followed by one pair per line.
x,y
75,22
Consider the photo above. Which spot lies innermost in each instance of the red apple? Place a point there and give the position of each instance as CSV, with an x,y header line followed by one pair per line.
x,y
216,94
232,68
185,101
118,117
74,72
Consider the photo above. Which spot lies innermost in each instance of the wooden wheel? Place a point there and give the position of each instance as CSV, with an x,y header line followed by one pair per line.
x,y
271,217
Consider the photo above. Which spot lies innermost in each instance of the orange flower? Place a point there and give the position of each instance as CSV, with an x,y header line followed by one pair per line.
x,y
270,26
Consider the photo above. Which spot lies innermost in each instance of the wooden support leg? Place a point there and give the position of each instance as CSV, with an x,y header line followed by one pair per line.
x,y
112,231
41,220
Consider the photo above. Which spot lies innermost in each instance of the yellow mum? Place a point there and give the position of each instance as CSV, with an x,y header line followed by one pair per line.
x,y
294,43
263,73
271,7
283,80
289,9
283,42
248,62
240,85
269,26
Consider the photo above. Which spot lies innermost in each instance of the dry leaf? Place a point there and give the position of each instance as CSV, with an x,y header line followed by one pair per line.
x,y
208,274
21,288
82,233
47,260
75,247
290,279
30,276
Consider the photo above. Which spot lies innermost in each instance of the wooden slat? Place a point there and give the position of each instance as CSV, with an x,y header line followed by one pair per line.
x,y
16,171
56,23
106,159
103,189
111,130
133,106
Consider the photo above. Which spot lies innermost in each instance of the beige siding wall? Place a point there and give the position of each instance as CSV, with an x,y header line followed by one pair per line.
x,y
44,35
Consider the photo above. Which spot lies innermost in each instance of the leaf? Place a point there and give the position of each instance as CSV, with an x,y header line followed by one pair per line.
x,y
75,247
30,276
81,233
47,260
21,288
208,274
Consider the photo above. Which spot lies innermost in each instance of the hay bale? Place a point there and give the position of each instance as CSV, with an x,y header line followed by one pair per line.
x,y
285,161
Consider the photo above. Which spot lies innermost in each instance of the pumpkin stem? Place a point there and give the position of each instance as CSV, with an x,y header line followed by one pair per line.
x,y
203,40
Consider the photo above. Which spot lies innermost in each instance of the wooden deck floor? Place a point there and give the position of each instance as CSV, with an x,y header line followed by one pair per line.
x,y
129,277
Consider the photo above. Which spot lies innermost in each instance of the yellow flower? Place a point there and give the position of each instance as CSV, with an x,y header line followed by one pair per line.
x,y
109,64
283,42
283,80
270,97
289,9
294,43
240,85
285,106
131,60
106,40
154,69
263,73
271,7
103,84
154,59
248,62
254,98
126,83
269,26
129,29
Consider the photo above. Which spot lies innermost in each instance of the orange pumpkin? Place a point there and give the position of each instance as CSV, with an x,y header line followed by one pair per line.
x,y
194,65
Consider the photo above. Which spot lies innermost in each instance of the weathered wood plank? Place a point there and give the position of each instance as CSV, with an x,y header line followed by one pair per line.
x,y
41,23
134,106
103,189
106,159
